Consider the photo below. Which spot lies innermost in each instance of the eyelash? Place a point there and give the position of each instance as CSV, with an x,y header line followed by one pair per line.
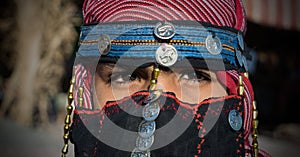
x,y
194,76
123,78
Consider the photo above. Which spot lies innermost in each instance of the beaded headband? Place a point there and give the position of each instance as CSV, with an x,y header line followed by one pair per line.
x,y
165,42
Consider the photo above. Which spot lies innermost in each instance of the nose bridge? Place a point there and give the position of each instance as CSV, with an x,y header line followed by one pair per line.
x,y
167,82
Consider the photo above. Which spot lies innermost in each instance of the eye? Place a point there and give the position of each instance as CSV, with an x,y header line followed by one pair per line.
x,y
124,79
194,77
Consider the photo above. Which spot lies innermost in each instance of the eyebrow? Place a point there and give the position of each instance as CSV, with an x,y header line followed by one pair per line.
x,y
119,67
105,70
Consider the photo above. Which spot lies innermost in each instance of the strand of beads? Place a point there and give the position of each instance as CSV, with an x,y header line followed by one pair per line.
x,y
254,131
147,127
68,118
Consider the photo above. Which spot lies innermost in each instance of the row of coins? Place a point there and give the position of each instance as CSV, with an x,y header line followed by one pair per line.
x,y
167,55
147,127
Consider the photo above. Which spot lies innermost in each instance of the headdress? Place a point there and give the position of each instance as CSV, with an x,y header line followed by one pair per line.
x,y
206,34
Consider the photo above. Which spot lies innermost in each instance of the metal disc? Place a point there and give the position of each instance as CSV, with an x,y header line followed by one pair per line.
x,y
146,128
144,144
213,44
138,153
166,55
164,30
151,111
104,44
235,120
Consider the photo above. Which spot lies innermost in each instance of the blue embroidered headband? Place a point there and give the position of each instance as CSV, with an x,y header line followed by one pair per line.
x,y
165,42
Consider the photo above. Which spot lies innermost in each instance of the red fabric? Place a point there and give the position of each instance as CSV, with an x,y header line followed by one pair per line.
x,y
83,78
227,81
230,79
218,12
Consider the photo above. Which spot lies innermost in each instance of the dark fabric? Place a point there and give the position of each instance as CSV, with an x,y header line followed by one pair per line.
x,y
90,127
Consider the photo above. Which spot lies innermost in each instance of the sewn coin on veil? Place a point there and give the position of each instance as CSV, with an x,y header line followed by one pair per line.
x,y
146,128
154,95
138,153
235,120
151,111
144,144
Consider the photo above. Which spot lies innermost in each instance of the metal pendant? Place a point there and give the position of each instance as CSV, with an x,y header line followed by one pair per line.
x,y
144,144
164,30
146,128
104,44
213,45
154,95
166,55
138,153
151,111
235,120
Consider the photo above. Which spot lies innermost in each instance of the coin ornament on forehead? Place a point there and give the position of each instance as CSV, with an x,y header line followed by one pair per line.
x,y
164,30
104,44
213,44
166,55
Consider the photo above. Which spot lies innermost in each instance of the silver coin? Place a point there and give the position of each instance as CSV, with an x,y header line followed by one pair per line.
x,y
166,55
144,144
146,128
213,44
164,30
104,44
138,153
151,111
235,120
154,95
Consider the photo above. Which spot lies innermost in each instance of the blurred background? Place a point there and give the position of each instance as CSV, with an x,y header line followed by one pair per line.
x,y
38,41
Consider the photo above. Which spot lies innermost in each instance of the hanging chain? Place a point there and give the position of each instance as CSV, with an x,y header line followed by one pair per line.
x,y
241,86
68,118
254,118
254,131
153,81
80,96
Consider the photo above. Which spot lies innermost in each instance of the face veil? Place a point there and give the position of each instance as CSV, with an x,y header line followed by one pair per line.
x,y
204,129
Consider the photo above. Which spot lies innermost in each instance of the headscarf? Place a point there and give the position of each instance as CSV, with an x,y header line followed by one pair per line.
x,y
227,15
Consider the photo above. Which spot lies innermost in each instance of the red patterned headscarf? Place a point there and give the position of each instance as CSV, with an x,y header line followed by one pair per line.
x,y
221,13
